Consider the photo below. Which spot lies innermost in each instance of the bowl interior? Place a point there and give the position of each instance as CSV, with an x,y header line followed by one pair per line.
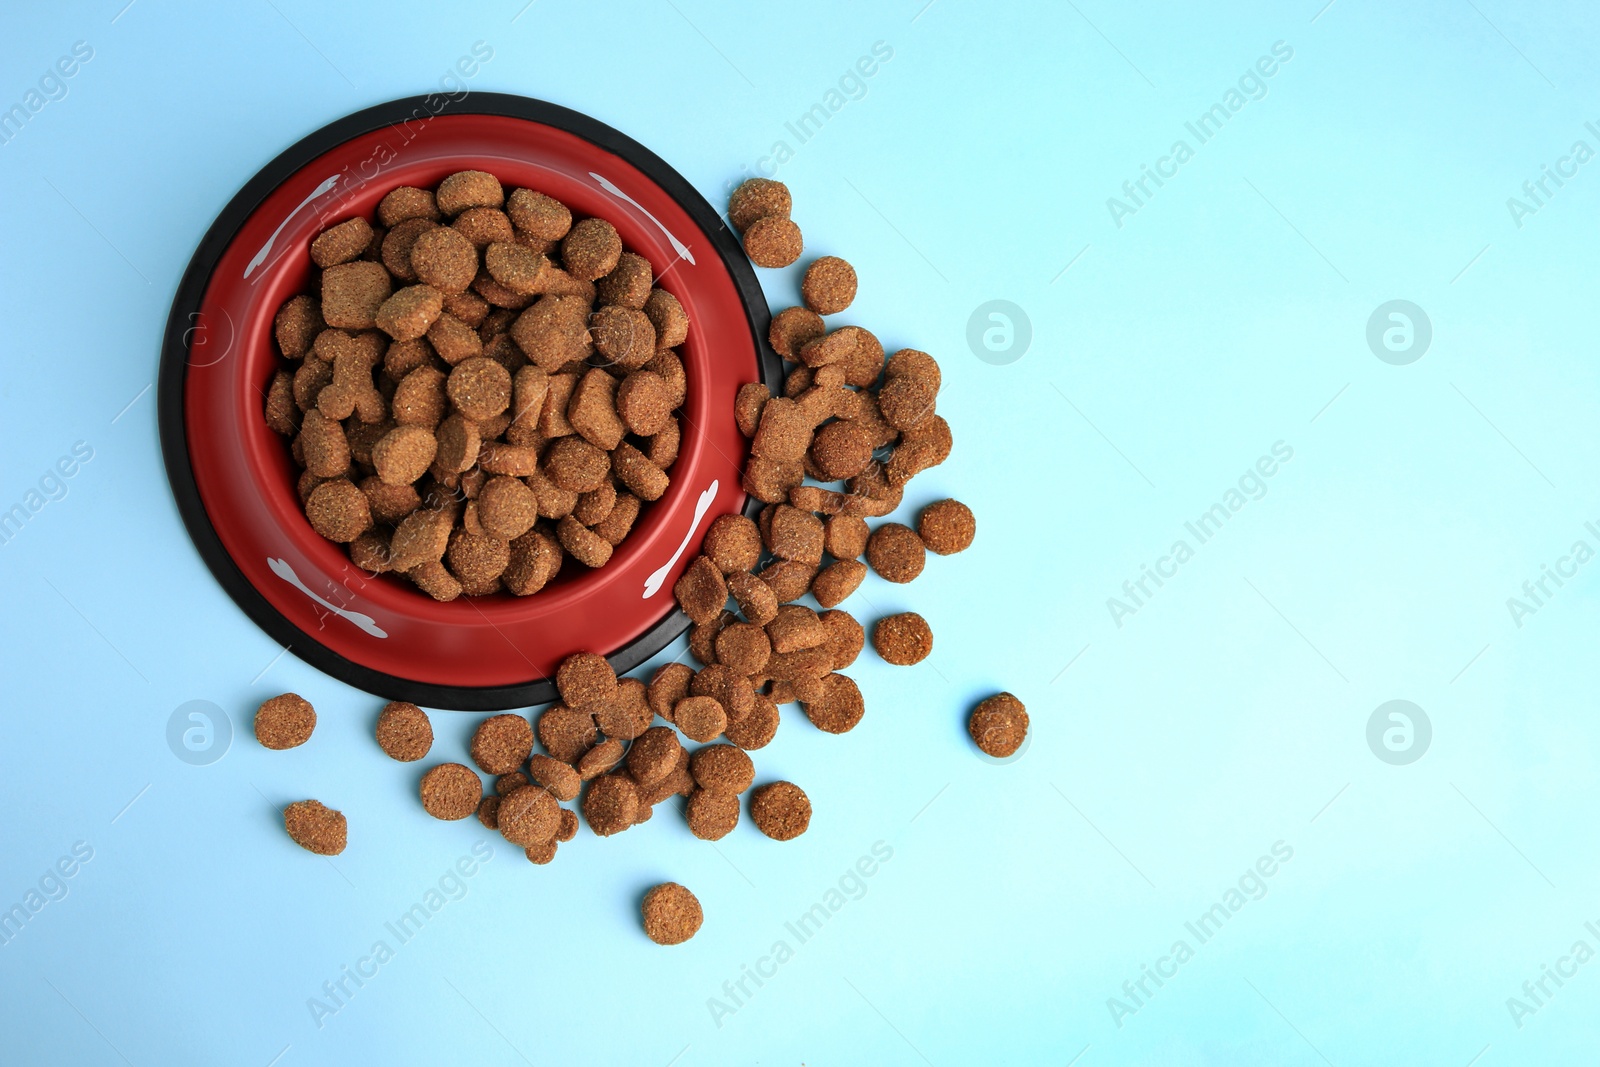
x,y
246,478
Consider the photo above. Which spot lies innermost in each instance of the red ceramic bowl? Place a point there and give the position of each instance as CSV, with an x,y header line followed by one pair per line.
x,y
234,480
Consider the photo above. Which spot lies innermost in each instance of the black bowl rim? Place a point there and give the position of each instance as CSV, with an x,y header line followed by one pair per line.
x,y
186,305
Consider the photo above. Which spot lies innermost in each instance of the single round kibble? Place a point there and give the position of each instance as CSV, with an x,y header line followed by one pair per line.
x,y
404,732
502,743
480,388
998,725
538,215
792,329
611,804
404,454
626,715
507,508
542,852
758,198
528,816
559,779
489,812
406,202
566,734
671,913
666,314
781,810
654,754
285,721
443,258
712,816
946,527
722,769
469,188
569,825
757,729
836,706
644,403
601,759
841,450
896,552
743,647
773,242
450,791
591,249
829,285
586,681
700,718
846,638
407,314
903,639
315,828
732,543
507,784
341,243
339,511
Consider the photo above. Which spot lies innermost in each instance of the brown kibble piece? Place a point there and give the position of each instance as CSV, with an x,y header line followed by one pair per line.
x,y
469,188
404,732
701,592
583,544
845,536
542,852
905,401
946,526
341,243
781,810
325,448
538,215
756,600
615,526
667,316
297,324
407,314
712,816
795,535
510,783
846,638
758,198
732,543
601,759
634,469
834,583
285,721
419,398
747,405
611,804
756,729
338,511
566,734
792,329
627,714
507,508
576,465
352,293
592,411
627,284
837,705
998,725
722,769
669,685
444,259
654,754
404,454
623,336
773,242
407,202
784,433
489,812
450,791
480,388
591,249
528,816
700,718
903,639
743,647
829,285
896,552
433,578
841,450
644,402
586,682
314,827
796,627
502,743
569,825
671,913
421,537
789,579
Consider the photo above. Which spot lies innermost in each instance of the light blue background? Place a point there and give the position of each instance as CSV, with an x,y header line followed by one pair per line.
x,y
1168,754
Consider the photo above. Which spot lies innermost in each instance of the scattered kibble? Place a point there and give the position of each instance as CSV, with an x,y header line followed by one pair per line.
x,y
285,721
314,827
998,725
404,732
671,913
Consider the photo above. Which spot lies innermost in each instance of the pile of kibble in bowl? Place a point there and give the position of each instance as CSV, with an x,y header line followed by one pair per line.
x,y
478,387
837,448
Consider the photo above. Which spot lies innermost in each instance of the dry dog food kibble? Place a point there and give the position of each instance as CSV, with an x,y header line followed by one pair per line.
x,y
711,816
404,732
946,527
903,639
314,827
829,285
285,721
450,791
473,335
998,725
781,810
671,913
502,744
